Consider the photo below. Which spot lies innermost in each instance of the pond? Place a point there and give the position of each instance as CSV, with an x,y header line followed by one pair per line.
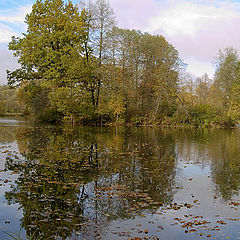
x,y
107,183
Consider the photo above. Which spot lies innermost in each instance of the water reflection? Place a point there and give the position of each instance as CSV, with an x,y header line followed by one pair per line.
x,y
219,149
69,177
73,182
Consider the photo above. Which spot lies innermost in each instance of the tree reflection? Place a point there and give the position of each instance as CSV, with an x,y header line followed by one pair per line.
x,y
225,151
219,149
72,178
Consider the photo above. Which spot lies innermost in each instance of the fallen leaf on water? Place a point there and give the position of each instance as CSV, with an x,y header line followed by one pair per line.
x,y
6,151
221,222
234,203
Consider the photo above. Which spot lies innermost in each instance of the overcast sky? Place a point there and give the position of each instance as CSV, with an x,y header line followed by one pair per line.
x,y
197,28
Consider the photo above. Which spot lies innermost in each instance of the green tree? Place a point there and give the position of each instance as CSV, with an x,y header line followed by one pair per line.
x,y
227,70
227,80
202,88
100,20
50,52
116,106
74,59
161,65
8,101
234,103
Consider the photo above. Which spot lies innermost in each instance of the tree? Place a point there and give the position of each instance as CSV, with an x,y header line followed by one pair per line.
x,y
76,63
227,70
8,101
202,88
234,103
100,22
116,106
227,79
161,65
50,53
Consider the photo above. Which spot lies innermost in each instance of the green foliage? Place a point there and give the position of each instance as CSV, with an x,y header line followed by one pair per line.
x,y
72,103
77,66
116,106
8,101
227,70
77,63
49,53
34,96
234,103
51,44
2,107
201,115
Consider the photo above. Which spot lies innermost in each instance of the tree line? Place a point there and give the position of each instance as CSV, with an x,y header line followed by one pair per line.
x,y
214,102
77,66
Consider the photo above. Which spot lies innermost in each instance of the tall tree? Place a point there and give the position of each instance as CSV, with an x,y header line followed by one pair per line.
x,y
227,70
100,22
203,85
161,65
103,22
50,52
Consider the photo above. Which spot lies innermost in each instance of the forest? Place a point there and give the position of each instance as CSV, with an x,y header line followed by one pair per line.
x,y
78,67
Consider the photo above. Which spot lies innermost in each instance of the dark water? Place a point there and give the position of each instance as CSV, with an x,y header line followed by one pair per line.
x,y
118,183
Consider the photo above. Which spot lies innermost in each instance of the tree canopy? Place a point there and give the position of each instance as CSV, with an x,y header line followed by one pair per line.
x,y
76,65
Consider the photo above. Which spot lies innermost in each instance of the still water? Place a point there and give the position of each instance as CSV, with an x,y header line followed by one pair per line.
x,y
118,183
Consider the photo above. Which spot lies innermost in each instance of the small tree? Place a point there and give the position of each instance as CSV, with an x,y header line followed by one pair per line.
x,y
116,106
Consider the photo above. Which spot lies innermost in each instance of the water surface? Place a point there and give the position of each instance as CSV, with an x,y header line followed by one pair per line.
x,y
118,183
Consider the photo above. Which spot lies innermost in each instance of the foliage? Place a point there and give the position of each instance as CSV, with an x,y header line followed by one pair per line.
x,y
8,101
234,103
73,58
71,102
48,53
76,65
116,106
227,70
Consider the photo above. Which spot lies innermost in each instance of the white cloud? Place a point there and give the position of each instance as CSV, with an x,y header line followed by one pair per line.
x,y
11,24
16,16
6,33
197,28
7,62
189,17
134,13
198,68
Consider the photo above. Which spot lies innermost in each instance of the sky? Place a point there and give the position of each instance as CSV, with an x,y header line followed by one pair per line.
x,y
196,28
